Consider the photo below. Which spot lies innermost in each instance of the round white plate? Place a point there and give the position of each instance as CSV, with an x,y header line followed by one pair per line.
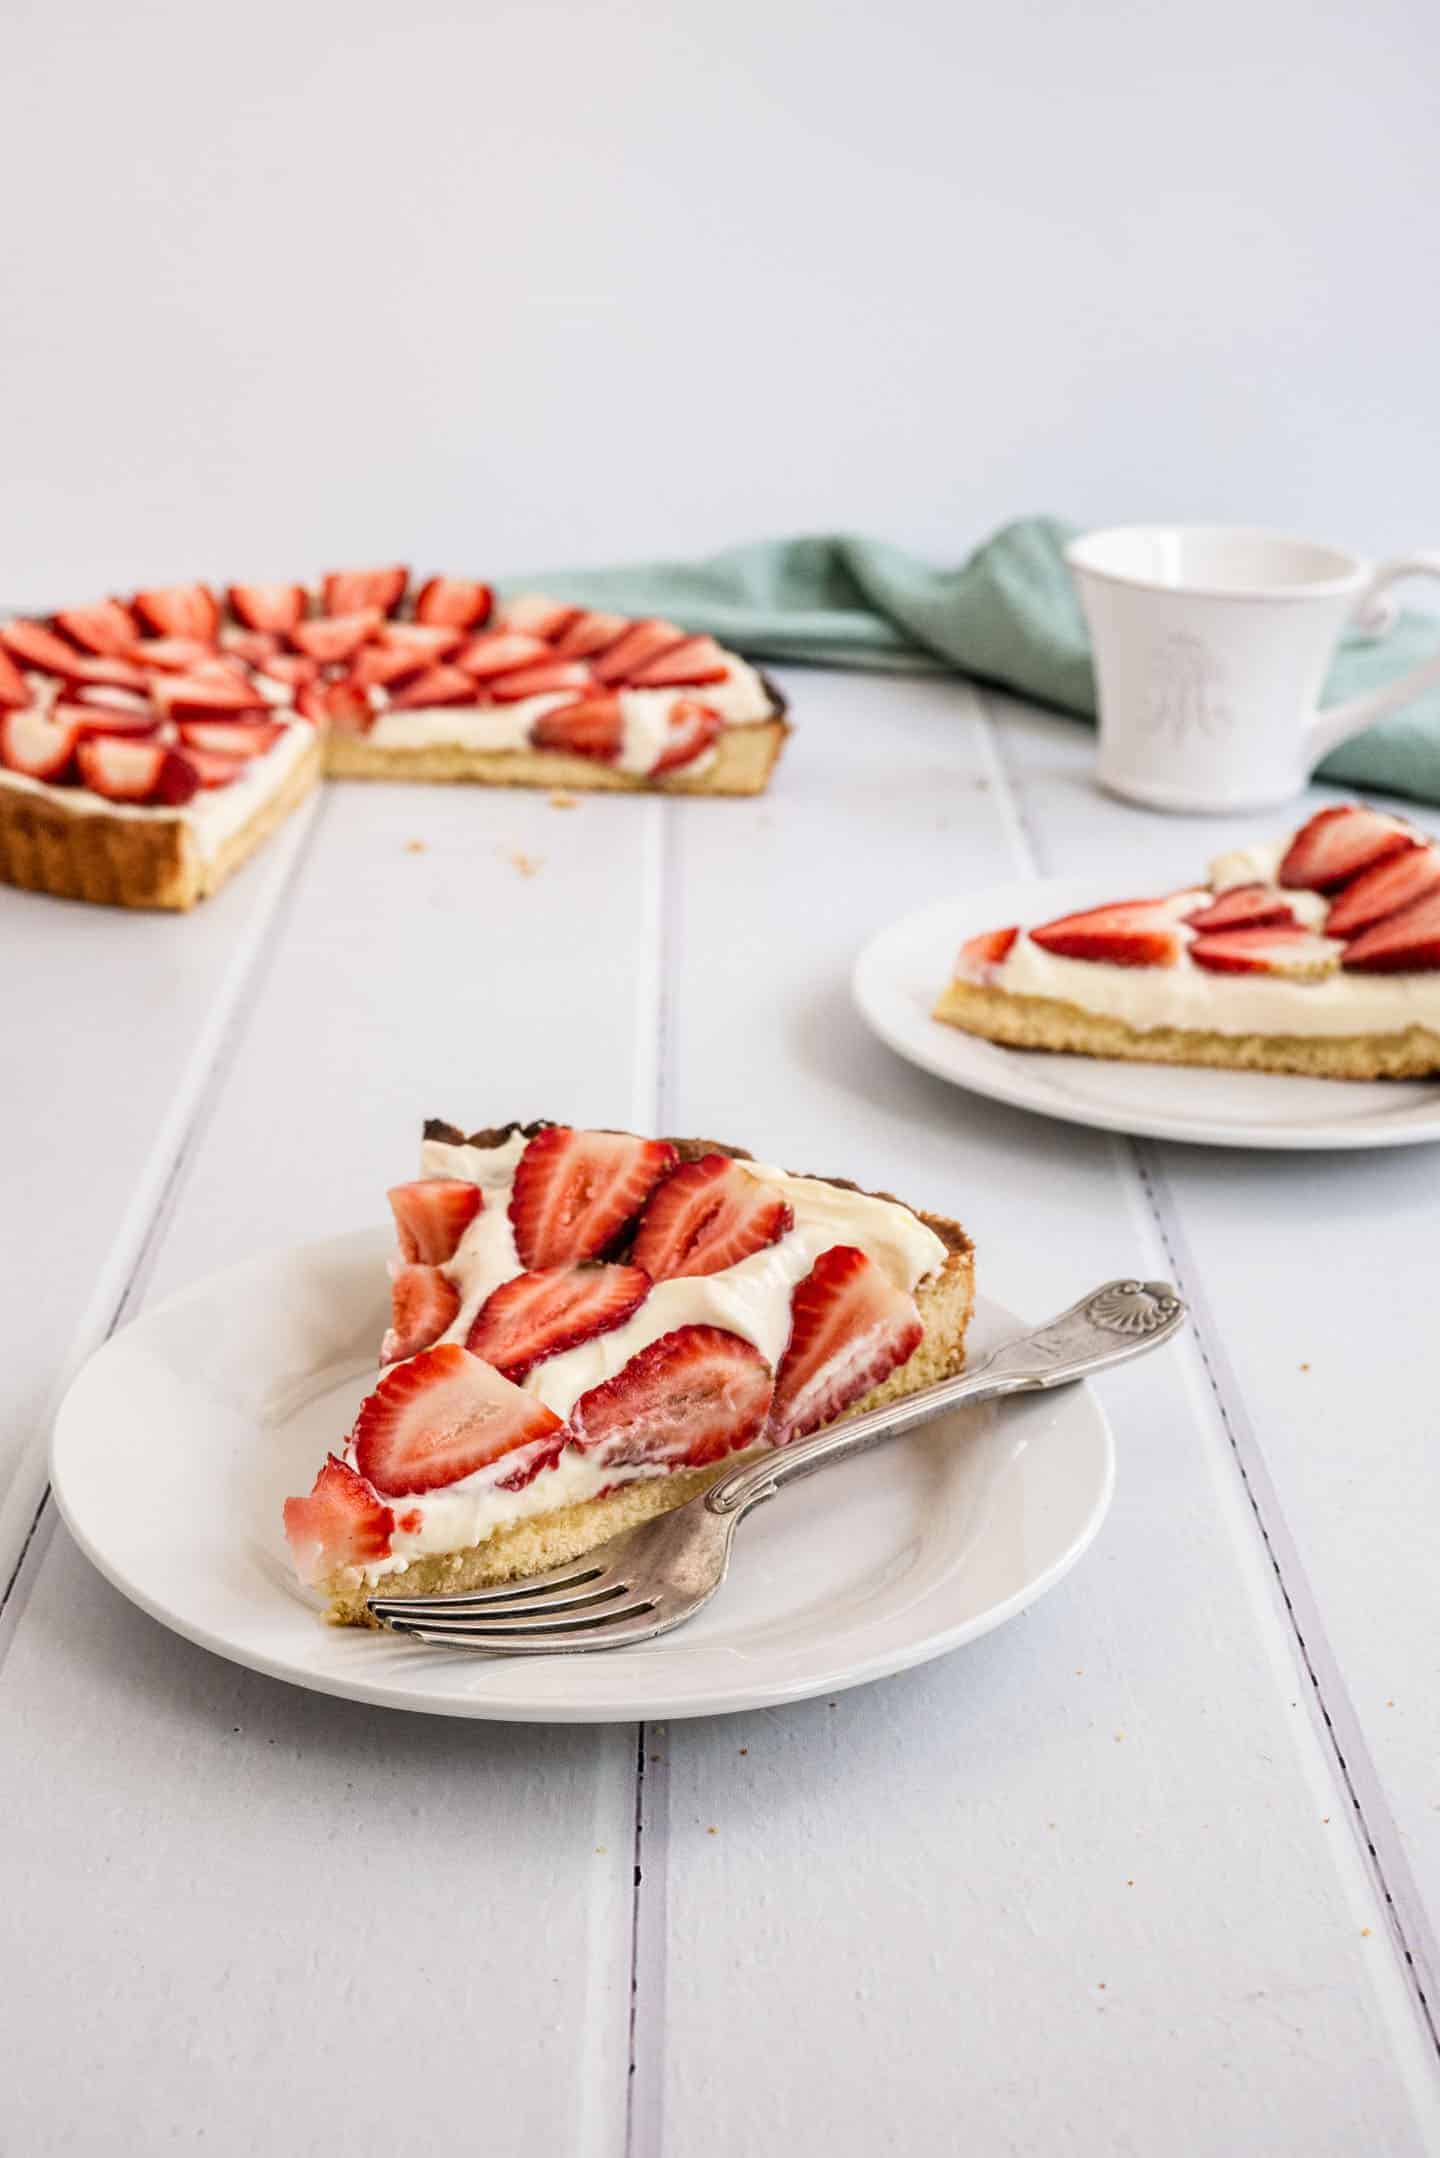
x,y
901,971
178,1441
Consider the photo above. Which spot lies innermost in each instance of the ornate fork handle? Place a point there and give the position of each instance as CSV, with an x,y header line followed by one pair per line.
x,y
1112,1324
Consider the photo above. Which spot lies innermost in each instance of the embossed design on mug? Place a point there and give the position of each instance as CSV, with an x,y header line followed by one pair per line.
x,y
1188,690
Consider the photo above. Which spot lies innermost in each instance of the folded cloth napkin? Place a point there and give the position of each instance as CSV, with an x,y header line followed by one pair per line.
x,y
1009,615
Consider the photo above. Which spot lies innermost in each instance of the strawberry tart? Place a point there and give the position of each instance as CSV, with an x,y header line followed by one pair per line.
x,y
148,746
588,1326
1318,955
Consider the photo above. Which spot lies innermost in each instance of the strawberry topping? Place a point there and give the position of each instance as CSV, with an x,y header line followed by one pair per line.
x,y
536,1315
693,1396
107,629
576,1190
850,1326
591,727
422,1304
347,705
172,655
1384,890
293,668
501,651
536,615
342,1523
705,1216
441,1416
33,645
13,687
457,602
590,633
268,606
331,640
180,610
132,771
698,659
243,738
90,711
1338,843
691,729
257,647
641,645
381,666
1129,933
431,1216
40,744
1404,943
979,956
540,681
421,640
1279,948
1244,906
437,686
347,591
206,696
211,767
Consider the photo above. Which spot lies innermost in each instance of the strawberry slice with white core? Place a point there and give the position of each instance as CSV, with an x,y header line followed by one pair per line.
x,y
33,645
292,668
179,610
980,957
705,1216
423,641
211,767
133,771
348,591
542,681
575,1191
205,696
590,633
455,602
243,738
253,646
341,1523
537,615
1128,933
1404,943
107,629
268,606
502,651
441,1416
698,659
422,1304
334,639
88,714
1384,890
14,689
691,1397
379,666
1338,843
1279,949
347,705
431,1216
588,727
691,731
171,655
850,1327
40,744
642,644
437,686
1244,906
541,1314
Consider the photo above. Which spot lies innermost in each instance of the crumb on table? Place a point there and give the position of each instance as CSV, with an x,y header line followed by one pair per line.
x,y
561,800
529,865
416,846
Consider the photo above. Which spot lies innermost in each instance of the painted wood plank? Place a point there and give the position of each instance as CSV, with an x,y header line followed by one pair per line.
x,y
1098,1866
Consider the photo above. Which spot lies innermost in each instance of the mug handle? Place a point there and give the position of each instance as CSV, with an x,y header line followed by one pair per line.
x,y
1335,723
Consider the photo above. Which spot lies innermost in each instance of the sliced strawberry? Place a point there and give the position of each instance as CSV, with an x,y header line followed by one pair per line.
x,y
180,610
14,689
347,705
1128,933
641,645
422,1304
591,727
211,767
88,714
501,651
206,696
131,771
690,730
533,1316
705,1216
575,1191
980,956
698,659
537,615
1338,843
1282,948
107,629
1404,943
441,1416
457,602
293,668
431,1216
1384,890
381,666
850,1326
590,633
256,647
423,641
338,637
40,744
341,1523
541,681
244,738
268,606
33,645
171,655
1244,906
348,591
436,686
693,1396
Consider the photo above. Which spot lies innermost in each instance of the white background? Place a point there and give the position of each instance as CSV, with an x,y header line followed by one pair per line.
x,y
517,285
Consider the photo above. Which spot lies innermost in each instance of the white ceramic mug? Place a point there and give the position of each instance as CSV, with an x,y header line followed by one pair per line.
x,y
1211,645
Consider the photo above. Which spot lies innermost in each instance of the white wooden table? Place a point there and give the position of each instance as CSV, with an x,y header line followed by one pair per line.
x,y
1154,1869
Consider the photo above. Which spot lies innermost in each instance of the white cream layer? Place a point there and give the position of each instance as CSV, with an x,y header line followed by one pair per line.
x,y
751,1299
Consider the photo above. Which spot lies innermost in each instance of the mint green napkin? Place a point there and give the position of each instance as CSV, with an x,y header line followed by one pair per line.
x,y
1009,615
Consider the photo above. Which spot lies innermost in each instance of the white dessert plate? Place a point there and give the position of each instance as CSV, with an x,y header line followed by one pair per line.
x,y
901,971
179,1440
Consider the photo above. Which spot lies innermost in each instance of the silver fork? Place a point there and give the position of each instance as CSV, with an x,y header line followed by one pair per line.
x,y
654,1577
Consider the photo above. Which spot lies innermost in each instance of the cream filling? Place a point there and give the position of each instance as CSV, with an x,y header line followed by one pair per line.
x,y
214,815
751,1299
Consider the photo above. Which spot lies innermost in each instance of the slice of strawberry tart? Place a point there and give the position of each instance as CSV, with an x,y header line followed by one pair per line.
x,y
1317,955
588,1326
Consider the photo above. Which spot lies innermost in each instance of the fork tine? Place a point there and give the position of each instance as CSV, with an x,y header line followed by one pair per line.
x,y
572,1575
481,1632
535,1604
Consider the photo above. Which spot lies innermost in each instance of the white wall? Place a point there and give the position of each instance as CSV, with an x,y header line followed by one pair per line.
x,y
288,283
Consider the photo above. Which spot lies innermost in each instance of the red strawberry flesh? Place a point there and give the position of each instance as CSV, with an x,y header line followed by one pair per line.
x,y
436,686
698,659
431,1216
14,689
135,771
423,1302
268,606
540,681
1404,943
575,1191
443,1415
332,639
1279,948
1128,933
40,744
232,737
590,727
501,651
107,629
341,1523
542,1314
979,956
641,645
1383,890
1338,843
180,610
850,1327
457,602
1244,906
346,591
691,730
689,1398
705,1216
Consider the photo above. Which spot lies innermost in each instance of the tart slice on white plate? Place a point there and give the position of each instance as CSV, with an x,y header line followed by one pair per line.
x,y
588,1327
1319,955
